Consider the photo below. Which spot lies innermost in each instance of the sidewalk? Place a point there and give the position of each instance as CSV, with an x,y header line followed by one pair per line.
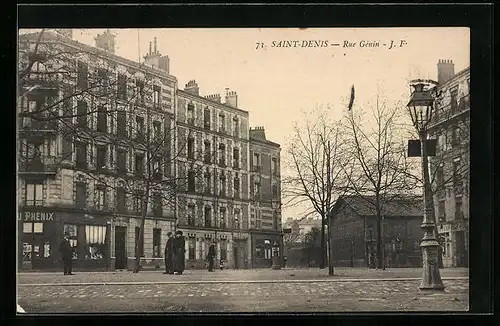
x,y
249,275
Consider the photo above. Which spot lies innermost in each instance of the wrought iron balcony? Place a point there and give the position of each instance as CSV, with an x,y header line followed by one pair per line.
x,y
37,165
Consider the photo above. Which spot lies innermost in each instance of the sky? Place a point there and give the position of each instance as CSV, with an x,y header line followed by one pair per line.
x,y
275,83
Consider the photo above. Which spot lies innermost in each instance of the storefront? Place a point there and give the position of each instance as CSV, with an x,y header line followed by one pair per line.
x,y
262,249
43,229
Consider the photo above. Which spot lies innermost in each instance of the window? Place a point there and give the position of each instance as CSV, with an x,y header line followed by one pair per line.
x,y
256,189
207,152
440,176
102,119
236,187
191,181
274,166
157,130
121,200
190,148
157,204
67,147
82,75
275,220
222,184
95,238
222,155
100,197
190,114
442,211
255,161
223,250
157,172
81,155
139,163
139,246
101,156
191,215
259,251
32,227
236,158
122,86
81,195
454,99
222,123
140,90
140,128
156,242
206,183
156,96
71,231
455,136
192,248
206,118
459,214
121,124
275,191
237,219
138,201
122,160
34,193
236,127
103,76
81,114
222,221
208,216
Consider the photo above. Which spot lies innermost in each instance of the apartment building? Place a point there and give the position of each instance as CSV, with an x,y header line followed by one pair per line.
x,y
213,152
450,167
265,197
89,124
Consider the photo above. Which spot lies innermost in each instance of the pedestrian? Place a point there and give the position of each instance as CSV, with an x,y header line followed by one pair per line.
x,y
179,251
66,254
169,254
221,264
211,257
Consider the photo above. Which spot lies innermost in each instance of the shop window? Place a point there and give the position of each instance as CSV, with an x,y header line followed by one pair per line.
x,y
259,251
71,231
32,227
27,247
156,242
192,248
95,237
46,250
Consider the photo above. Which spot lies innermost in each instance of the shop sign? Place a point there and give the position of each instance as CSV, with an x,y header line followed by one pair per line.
x,y
445,228
37,216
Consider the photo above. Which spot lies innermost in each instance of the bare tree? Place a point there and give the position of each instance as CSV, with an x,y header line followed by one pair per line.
x,y
380,161
317,154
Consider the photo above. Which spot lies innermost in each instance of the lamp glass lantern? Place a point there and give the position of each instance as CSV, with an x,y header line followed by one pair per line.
x,y
421,106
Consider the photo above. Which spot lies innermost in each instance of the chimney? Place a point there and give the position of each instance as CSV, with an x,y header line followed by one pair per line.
x,y
105,41
446,70
152,59
164,63
231,98
214,97
192,87
258,133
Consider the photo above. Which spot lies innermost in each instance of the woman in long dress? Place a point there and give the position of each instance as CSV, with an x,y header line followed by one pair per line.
x,y
179,253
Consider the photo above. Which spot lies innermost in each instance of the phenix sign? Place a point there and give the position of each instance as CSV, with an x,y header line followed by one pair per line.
x,y
37,216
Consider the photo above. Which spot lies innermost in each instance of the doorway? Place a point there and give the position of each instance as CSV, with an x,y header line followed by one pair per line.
x,y
120,250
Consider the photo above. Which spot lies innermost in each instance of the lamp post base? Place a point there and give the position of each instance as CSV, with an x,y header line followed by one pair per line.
x,y
431,277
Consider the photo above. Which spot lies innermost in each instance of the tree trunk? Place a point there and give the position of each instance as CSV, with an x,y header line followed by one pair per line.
x,y
140,241
323,251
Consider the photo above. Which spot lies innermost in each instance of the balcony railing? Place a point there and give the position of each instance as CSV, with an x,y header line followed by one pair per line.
x,y
35,165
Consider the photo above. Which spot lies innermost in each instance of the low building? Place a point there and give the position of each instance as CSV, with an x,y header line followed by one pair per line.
x,y
354,228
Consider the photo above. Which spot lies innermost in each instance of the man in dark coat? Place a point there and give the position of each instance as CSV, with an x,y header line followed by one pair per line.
x,y
169,254
66,254
211,257
179,253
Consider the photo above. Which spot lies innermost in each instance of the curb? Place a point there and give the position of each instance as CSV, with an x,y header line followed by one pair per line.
x,y
343,280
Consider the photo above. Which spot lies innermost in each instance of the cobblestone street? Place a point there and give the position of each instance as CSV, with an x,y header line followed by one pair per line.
x,y
231,295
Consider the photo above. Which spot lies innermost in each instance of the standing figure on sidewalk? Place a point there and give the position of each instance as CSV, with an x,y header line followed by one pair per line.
x,y
169,254
66,254
179,245
211,257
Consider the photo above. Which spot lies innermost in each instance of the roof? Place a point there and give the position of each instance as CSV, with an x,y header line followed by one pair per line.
x,y
49,36
365,206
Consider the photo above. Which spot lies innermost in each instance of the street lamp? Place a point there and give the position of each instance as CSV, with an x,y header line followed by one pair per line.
x,y
276,256
421,107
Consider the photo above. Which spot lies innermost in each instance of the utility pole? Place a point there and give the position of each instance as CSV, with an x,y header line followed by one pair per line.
x,y
328,208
